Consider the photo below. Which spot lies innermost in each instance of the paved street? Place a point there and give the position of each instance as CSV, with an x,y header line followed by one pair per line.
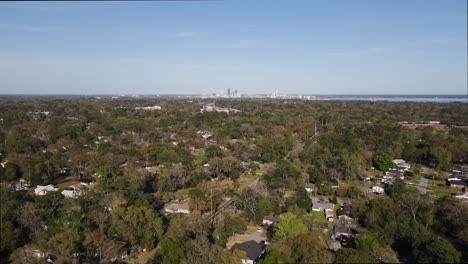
x,y
424,181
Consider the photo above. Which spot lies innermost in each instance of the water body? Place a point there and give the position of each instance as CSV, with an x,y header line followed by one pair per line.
x,y
449,99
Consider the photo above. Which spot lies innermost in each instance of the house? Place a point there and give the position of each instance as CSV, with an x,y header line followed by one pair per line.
x,y
253,249
462,196
342,230
156,107
270,219
75,193
213,108
345,218
309,187
458,184
378,190
321,207
453,179
177,208
402,164
43,190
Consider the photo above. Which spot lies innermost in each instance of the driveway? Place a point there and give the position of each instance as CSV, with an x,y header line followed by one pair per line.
x,y
424,180
257,236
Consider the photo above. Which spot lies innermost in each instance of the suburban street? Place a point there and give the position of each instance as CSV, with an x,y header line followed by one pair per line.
x,y
424,180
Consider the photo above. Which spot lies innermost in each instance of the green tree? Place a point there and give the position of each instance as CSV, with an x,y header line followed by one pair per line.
x,y
302,199
213,151
351,255
383,161
171,251
275,257
434,250
227,226
288,226
138,225
11,172
307,248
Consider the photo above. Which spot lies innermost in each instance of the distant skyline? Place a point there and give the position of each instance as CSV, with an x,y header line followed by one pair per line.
x,y
256,47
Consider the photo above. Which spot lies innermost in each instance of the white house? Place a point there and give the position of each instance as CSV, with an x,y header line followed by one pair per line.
x,y
378,189
72,193
462,196
176,208
454,179
309,187
402,164
156,107
43,190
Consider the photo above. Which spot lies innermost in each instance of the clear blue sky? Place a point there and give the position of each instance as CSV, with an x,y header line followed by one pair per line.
x,y
307,47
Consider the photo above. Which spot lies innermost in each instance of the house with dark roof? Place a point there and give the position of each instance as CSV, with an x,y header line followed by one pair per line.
x,y
458,184
342,230
253,249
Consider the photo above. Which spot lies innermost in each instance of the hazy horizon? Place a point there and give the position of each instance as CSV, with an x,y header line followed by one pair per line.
x,y
201,47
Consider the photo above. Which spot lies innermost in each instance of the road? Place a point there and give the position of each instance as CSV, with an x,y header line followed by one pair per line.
x,y
424,181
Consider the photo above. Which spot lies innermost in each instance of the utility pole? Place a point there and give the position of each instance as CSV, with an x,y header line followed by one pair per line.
x,y
211,188
315,131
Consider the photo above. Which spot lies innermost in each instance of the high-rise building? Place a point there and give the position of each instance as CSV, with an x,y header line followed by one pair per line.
x,y
229,91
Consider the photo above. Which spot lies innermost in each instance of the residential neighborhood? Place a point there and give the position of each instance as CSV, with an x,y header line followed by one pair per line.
x,y
154,185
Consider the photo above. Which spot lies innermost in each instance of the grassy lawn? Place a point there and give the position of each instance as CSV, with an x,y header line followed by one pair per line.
x,y
439,191
251,229
236,239
65,184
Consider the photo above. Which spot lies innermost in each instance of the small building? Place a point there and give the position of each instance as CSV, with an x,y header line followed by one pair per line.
x,y
253,249
43,190
72,193
329,215
270,219
309,187
378,190
177,208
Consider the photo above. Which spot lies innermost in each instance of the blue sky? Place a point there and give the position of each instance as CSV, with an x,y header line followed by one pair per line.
x,y
306,47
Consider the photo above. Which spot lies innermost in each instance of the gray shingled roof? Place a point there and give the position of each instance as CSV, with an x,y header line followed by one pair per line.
x,y
324,206
253,249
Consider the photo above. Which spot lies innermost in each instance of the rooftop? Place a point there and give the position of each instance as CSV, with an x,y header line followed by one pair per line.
x,y
253,249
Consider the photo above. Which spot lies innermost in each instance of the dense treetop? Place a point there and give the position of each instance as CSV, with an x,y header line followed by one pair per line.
x,y
144,159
